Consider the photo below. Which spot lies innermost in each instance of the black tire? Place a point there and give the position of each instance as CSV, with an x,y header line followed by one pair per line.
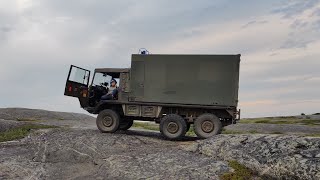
x,y
125,124
173,126
207,125
108,121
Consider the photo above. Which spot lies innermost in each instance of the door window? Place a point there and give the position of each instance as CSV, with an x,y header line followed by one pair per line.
x,y
79,75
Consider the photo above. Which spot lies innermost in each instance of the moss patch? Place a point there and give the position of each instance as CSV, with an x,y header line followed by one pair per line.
x,y
241,172
27,119
21,132
225,131
277,132
253,132
313,135
310,122
191,131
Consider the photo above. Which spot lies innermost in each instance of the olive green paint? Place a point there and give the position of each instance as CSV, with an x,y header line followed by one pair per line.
x,y
185,79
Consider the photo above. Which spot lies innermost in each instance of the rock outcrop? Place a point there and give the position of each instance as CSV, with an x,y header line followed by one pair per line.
x,y
89,154
9,124
278,156
78,150
38,114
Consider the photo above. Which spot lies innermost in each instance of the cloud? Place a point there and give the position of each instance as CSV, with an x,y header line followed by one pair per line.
x,y
279,47
258,103
295,7
254,23
294,78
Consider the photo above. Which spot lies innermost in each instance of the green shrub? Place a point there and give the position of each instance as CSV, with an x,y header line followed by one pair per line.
x,y
21,132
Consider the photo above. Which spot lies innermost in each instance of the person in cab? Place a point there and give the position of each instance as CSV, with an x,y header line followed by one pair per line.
x,y
112,91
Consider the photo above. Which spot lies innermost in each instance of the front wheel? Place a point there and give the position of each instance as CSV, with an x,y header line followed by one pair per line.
x,y
108,121
207,125
173,126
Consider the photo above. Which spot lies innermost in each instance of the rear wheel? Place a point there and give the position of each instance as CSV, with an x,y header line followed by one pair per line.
x,y
173,126
125,124
108,121
207,125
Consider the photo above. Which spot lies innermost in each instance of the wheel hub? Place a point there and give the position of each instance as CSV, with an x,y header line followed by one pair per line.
x,y
172,127
107,121
207,126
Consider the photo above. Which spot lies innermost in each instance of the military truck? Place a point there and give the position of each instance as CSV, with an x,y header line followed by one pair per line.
x,y
175,91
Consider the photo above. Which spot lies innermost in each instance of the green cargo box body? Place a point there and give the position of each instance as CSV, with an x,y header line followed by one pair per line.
x,y
185,79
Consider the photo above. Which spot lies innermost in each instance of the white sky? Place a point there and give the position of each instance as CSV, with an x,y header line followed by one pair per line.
x,y
279,42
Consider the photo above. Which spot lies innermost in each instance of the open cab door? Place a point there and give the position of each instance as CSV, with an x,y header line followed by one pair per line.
x,y
77,84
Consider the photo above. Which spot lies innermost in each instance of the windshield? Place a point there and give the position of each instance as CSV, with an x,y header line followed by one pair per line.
x,y
101,78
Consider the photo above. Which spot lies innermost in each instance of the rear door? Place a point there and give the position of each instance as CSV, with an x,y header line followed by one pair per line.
x,y
137,80
77,82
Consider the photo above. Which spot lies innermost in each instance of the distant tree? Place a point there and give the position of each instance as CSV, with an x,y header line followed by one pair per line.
x,y
303,114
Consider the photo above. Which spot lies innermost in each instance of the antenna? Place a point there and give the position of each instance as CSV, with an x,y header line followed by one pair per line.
x,y
143,51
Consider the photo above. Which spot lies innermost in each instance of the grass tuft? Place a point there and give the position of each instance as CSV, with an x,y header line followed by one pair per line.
x,y
276,132
288,120
313,135
253,132
146,125
155,127
21,132
225,131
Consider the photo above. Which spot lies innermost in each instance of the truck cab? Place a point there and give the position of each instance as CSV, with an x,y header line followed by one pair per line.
x,y
161,88
89,94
